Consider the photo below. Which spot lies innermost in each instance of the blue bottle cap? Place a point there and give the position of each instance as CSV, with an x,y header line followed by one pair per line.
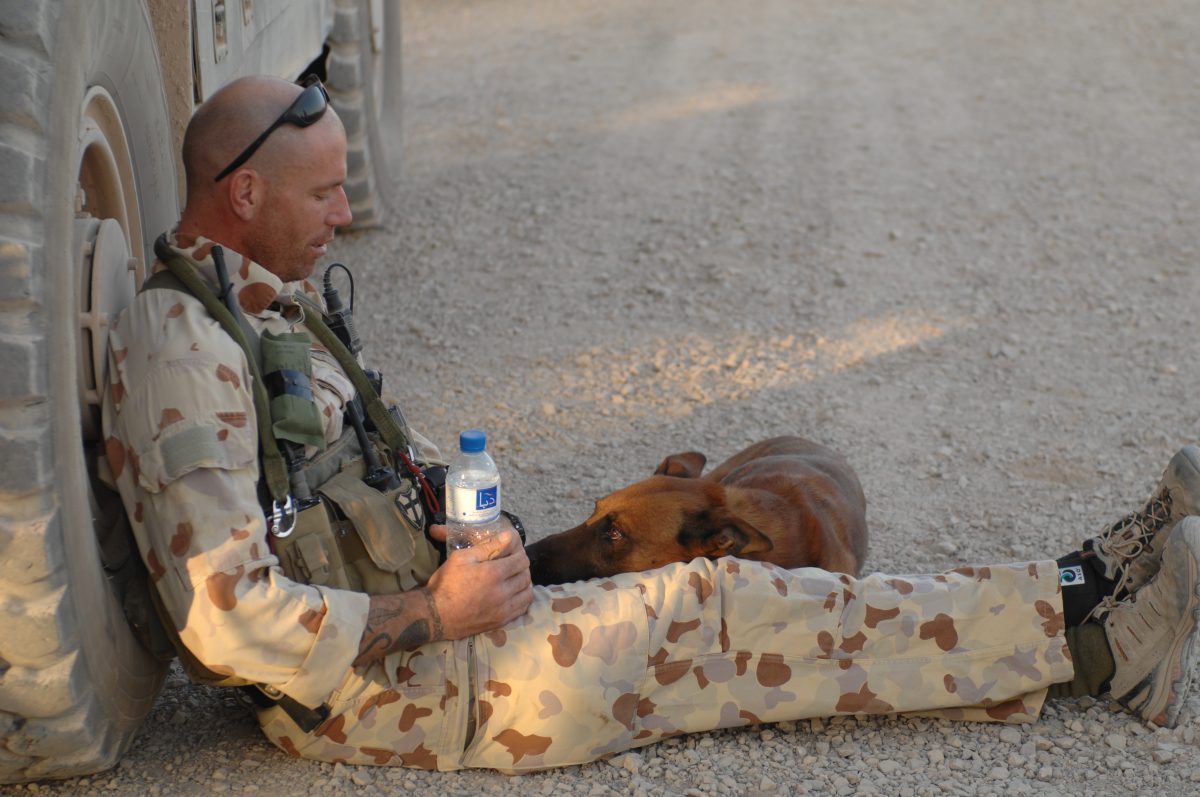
x,y
472,441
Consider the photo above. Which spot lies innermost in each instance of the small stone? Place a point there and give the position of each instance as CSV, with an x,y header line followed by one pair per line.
x,y
998,773
766,784
1116,741
1045,774
1162,756
1010,735
361,777
936,756
548,409
888,766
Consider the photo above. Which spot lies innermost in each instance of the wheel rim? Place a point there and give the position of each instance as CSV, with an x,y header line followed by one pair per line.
x,y
107,230
107,243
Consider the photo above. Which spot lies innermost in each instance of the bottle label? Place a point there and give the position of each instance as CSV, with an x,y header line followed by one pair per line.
x,y
467,505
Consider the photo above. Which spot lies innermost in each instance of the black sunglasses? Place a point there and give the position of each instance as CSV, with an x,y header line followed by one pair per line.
x,y
306,110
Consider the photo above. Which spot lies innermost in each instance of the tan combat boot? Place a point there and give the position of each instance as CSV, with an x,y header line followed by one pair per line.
x,y
1152,633
1131,548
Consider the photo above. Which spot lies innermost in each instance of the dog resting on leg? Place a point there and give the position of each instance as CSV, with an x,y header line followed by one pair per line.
x,y
786,500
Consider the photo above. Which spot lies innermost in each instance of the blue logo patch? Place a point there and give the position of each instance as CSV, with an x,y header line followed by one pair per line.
x,y
1071,576
486,499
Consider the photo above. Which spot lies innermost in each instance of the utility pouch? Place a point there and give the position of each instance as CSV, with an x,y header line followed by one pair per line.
x,y
356,537
311,554
287,374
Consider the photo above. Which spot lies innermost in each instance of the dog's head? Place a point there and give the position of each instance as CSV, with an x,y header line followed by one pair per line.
x,y
663,519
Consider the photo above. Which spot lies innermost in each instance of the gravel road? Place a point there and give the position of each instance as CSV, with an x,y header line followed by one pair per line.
x,y
954,240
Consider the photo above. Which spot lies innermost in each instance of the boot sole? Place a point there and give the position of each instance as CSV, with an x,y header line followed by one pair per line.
x,y
1183,473
1160,700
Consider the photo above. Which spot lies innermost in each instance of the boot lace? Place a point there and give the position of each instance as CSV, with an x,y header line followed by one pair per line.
x,y
1101,609
1129,537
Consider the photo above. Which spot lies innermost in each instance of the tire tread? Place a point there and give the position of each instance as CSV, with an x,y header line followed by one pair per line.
x,y
52,721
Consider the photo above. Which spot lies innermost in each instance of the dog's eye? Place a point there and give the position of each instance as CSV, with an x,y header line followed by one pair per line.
x,y
613,533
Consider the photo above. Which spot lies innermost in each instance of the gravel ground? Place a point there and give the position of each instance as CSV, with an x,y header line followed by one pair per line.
x,y
953,240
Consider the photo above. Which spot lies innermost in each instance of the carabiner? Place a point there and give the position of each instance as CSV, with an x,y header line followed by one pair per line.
x,y
282,514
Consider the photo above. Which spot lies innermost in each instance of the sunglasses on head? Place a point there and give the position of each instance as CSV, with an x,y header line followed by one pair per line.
x,y
304,111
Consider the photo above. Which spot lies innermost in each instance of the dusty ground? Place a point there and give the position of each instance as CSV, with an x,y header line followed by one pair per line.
x,y
954,240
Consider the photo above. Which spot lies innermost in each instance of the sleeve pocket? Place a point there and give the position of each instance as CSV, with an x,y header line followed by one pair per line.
x,y
187,446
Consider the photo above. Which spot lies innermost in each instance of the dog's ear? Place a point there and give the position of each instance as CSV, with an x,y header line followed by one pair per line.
x,y
719,532
687,465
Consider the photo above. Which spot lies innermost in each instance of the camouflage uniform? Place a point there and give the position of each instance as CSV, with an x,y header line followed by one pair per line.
x,y
593,667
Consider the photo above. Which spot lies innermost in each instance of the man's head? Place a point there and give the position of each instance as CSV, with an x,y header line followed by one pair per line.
x,y
281,206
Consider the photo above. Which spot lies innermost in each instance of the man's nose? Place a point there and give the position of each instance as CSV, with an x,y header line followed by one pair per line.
x,y
341,215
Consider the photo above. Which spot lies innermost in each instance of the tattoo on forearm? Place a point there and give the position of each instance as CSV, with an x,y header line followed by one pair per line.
x,y
381,637
414,636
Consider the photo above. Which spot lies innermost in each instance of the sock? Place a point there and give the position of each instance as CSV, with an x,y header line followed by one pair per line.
x,y
1093,662
1081,578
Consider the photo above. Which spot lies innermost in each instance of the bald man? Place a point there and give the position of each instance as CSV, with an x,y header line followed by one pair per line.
x,y
463,664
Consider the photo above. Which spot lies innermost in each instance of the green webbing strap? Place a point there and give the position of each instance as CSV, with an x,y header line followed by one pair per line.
x,y
274,469
393,435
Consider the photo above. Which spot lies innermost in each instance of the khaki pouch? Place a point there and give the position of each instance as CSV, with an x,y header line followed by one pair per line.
x,y
358,538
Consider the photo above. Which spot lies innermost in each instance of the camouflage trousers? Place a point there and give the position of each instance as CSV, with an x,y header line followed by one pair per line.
x,y
601,666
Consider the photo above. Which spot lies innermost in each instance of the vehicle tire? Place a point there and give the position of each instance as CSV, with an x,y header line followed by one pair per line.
x,y
78,211
363,71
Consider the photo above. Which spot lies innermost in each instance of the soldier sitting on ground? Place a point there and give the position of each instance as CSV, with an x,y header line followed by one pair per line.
x,y
369,649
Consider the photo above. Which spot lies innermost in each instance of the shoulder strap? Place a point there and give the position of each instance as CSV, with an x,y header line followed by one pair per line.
x,y
187,280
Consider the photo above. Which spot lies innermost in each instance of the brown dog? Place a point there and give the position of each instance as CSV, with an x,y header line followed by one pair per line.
x,y
785,500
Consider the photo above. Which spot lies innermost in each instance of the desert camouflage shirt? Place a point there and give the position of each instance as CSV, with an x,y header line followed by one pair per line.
x,y
181,443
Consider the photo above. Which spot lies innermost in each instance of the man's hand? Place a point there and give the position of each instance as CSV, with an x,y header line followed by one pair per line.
x,y
477,589
483,587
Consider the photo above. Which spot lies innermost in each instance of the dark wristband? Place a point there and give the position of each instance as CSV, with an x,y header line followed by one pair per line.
x,y
516,524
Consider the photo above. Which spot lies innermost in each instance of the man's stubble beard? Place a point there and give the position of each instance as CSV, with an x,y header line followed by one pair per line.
x,y
282,255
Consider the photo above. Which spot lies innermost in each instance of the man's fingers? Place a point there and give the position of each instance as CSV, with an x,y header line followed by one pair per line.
x,y
519,603
492,548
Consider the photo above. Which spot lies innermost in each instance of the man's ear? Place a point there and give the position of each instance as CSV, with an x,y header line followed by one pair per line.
x,y
687,465
247,191
719,532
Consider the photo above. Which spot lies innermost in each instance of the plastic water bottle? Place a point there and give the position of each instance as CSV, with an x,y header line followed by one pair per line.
x,y
472,493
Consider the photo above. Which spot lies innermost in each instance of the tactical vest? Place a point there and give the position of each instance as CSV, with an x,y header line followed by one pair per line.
x,y
348,534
